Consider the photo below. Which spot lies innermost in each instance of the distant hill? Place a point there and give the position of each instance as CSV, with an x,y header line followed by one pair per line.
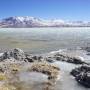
x,y
28,22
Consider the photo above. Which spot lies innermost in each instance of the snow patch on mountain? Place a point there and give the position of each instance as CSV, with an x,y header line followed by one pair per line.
x,y
36,22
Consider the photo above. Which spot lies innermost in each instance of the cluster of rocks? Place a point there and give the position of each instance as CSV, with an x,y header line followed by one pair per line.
x,y
31,58
10,77
86,48
52,71
19,55
82,75
66,58
50,59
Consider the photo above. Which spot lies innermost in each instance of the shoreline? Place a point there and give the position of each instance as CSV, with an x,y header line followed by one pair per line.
x,y
49,58
42,27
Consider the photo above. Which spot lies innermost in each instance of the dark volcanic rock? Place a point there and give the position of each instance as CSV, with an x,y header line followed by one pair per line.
x,y
82,75
69,59
31,58
39,58
50,59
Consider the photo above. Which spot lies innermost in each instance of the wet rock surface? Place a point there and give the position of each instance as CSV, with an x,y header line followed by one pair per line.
x,y
19,55
69,59
16,61
50,59
82,75
11,66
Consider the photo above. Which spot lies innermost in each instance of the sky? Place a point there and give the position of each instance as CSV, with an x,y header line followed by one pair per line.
x,y
46,9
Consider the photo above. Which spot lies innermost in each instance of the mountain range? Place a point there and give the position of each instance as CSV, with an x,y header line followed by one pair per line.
x,y
28,22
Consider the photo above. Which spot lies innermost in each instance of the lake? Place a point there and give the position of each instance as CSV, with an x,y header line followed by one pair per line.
x,y
42,40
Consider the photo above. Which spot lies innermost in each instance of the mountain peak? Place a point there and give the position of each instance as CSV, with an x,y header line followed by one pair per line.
x,y
27,21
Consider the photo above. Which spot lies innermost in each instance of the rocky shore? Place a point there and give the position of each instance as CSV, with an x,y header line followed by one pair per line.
x,y
82,75
16,61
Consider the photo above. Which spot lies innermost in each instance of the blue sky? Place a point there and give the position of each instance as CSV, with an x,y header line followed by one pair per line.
x,y
47,9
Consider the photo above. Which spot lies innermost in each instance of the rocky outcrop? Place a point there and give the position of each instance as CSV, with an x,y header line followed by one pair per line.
x,y
51,70
69,59
86,48
82,75
19,55
31,58
11,73
16,54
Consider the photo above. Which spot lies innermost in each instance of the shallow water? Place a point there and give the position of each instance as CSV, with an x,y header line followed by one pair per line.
x,y
67,81
41,40
37,81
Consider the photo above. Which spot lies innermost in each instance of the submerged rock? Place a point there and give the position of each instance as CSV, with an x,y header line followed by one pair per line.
x,y
82,75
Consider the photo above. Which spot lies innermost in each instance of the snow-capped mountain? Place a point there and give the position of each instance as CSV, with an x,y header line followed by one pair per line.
x,y
26,22
20,22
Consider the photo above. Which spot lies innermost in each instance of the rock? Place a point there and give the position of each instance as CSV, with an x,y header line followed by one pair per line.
x,y
82,75
69,59
88,54
86,48
52,71
50,59
39,58
84,79
29,58
75,60
16,54
1,69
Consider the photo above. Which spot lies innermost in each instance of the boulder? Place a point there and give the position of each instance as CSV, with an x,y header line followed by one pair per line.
x,y
16,54
82,75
